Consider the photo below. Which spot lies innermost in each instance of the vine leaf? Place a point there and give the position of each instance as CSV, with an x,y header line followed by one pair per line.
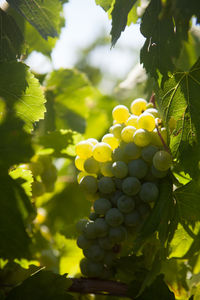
x,y
178,100
42,285
22,93
119,17
43,15
105,4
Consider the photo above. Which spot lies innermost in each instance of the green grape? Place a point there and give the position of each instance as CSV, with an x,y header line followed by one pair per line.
x,y
162,160
118,183
132,121
109,259
120,113
106,169
116,196
91,165
101,227
149,105
111,140
83,242
118,154
95,269
49,174
84,149
148,153
150,176
133,219
101,206
152,111
90,231
118,234
138,106
89,184
102,152
114,217
81,175
93,216
94,253
125,204
144,210
146,121
131,151
155,138
158,173
84,266
149,192
137,168
92,141
142,137
120,169
127,134
106,185
131,186
106,243
79,163
116,130
38,189
80,225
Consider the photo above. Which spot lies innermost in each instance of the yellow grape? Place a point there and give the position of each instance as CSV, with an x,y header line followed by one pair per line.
x,y
111,140
138,106
127,134
146,121
79,163
92,141
84,174
142,137
120,113
132,121
84,149
116,130
152,111
102,152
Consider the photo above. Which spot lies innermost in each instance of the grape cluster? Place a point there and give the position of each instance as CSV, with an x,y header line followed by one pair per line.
x,y
122,172
44,175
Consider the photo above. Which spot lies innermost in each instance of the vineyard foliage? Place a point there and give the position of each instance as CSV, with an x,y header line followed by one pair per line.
x,y
43,117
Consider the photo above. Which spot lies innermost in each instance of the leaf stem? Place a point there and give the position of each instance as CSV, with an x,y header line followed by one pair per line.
x,y
162,140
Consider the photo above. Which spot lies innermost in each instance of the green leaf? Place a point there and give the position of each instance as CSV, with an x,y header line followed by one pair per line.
x,y
105,4
177,99
22,93
188,201
44,285
119,17
25,175
11,38
16,210
43,15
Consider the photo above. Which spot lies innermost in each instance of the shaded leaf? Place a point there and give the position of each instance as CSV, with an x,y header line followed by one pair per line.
x,y
119,14
44,285
43,15
26,177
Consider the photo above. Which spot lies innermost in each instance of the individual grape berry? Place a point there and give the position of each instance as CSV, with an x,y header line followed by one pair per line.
x,y
162,160
150,176
106,185
80,225
142,137
91,165
118,234
127,134
152,111
89,184
79,163
93,216
95,269
101,206
90,231
131,186
84,149
94,253
106,243
137,168
146,121
106,169
155,138
118,183
83,174
125,204
132,121
120,169
116,130
102,152
120,113
109,259
138,106
148,153
101,227
111,140
149,192
132,219
114,217
92,141
131,151
84,266
118,154
83,242
158,173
